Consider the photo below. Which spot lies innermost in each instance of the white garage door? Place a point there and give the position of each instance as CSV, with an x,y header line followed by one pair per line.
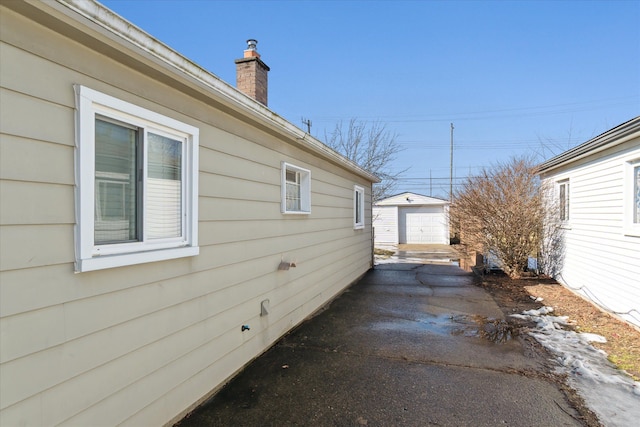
x,y
422,225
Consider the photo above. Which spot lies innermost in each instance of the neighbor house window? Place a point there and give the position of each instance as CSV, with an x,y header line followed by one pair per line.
x,y
296,189
635,197
358,207
563,198
137,187
632,198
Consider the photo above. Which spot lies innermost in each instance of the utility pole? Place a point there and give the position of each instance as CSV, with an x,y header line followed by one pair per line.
x,y
308,123
451,168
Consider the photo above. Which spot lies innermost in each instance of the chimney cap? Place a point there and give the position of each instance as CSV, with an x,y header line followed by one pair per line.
x,y
251,50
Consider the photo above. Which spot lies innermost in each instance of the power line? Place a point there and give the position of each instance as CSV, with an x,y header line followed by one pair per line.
x,y
527,111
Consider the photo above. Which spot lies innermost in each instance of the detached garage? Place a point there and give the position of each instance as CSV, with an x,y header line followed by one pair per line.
x,y
411,218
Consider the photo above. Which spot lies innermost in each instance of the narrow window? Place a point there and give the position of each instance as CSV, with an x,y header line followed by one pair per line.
x,y
358,207
631,201
564,200
137,198
636,194
293,190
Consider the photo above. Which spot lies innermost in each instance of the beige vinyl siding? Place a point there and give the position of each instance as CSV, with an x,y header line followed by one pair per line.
x,y
601,262
140,344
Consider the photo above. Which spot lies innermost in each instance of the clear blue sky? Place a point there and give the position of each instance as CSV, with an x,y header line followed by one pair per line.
x,y
515,77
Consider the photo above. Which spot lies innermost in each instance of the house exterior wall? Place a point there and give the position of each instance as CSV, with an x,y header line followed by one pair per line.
x,y
601,260
142,344
385,224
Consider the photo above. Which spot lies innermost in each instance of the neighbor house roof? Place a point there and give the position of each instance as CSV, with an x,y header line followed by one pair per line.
x,y
610,138
113,35
410,199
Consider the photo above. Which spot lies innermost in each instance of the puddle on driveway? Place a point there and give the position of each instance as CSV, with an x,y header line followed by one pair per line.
x,y
491,329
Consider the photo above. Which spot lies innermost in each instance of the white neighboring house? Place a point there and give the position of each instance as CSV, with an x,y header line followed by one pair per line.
x,y
411,218
597,185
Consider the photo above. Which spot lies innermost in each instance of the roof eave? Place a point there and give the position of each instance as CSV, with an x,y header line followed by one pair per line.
x,y
131,37
618,135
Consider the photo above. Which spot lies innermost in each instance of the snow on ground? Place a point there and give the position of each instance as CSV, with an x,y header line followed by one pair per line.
x,y
395,259
607,391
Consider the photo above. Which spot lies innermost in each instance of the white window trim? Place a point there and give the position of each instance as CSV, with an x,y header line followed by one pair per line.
x,y
564,182
89,256
305,189
630,228
358,190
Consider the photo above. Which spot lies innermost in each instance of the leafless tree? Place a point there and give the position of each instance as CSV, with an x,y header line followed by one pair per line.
x,y
370,145
502,212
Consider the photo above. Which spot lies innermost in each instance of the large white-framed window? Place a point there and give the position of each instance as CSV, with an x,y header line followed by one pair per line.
x,y
296,189
137,178
563,200
632,197
358,207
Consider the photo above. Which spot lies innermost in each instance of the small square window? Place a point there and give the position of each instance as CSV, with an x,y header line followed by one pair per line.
x,y
358,207
137,187
296,189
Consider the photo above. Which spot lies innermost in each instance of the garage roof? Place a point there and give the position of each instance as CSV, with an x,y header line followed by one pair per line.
x,y
411,199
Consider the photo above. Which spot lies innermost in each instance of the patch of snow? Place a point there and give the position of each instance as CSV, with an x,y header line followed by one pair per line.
x,y
587,337
538,312
607,391
386,260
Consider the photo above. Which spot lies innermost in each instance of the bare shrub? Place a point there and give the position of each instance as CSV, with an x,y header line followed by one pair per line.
x,y
501,212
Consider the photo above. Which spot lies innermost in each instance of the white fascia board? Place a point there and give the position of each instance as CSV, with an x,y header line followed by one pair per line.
x,y
131,37
615,136
416,200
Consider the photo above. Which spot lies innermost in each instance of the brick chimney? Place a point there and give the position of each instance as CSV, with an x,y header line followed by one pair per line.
x,y
251,73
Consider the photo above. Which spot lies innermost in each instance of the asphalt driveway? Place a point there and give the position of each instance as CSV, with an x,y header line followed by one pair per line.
x,y
408,345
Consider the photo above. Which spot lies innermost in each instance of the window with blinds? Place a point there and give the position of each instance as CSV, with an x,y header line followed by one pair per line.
x,y
138,191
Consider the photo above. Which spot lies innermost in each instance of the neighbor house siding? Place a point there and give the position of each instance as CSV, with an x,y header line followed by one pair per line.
x,y
601,261
139,345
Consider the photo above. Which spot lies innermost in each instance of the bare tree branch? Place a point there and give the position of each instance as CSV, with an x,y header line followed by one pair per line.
x,y
372,146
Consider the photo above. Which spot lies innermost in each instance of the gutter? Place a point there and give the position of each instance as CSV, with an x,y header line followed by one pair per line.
x,y
618,135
